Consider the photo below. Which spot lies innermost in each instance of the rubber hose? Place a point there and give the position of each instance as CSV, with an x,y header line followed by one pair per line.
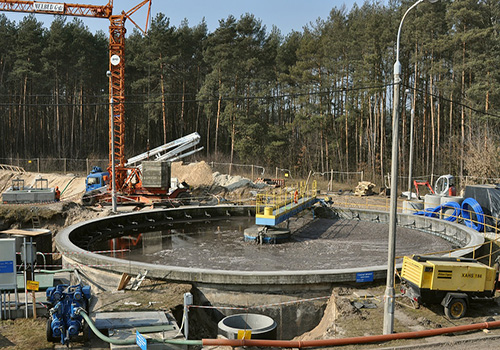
x,y
65,187
456,211
56,271
102,336
133,341
426,212
433,212
471,205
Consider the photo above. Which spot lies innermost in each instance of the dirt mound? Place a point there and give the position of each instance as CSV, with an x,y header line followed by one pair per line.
x,y
195,174
338,307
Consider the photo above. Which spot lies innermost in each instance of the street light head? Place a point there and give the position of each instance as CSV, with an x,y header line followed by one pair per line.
x,y
108,74
432,1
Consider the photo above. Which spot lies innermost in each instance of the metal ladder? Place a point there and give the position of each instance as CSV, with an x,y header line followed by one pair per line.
x,y
35,219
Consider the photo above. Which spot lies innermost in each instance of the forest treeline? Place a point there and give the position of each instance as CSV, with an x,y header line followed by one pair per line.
x,y
319,99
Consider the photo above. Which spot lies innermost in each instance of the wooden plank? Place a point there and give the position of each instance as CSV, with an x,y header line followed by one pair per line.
x,y
124,280
21,232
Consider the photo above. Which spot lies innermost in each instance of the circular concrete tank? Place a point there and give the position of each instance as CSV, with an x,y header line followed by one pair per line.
x,y
327,251
261,326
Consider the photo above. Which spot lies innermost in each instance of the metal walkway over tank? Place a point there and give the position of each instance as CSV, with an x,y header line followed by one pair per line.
x,y
275,208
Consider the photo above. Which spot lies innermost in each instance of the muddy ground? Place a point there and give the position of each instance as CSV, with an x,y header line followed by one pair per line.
x,y
351,311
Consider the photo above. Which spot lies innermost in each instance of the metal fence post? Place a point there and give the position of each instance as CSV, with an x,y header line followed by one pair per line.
x,y
491,252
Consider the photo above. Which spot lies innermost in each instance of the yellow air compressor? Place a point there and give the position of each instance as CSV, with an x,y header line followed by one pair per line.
x,y
449,281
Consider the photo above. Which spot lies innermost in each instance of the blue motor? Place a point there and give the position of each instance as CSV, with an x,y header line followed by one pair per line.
x,y
64,321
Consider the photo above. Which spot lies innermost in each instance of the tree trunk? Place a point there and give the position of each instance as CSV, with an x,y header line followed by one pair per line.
x,y
163,104
217,121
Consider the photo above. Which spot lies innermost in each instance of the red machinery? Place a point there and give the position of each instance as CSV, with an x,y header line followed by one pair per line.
x,y
445,186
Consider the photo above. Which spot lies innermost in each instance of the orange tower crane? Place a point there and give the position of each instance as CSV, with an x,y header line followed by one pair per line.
x,y
116,61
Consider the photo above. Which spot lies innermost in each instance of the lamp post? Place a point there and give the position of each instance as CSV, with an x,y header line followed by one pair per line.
x,y
410,161
389,290
112,143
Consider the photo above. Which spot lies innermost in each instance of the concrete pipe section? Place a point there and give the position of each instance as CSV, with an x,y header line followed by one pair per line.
x,y
255,326
195,244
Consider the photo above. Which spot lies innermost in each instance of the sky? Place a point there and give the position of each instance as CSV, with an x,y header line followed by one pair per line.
x,y
287,15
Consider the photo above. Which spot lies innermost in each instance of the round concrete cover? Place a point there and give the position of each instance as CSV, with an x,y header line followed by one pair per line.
x,y
261,326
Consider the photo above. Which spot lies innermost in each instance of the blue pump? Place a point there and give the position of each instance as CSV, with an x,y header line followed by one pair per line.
x,y
64,321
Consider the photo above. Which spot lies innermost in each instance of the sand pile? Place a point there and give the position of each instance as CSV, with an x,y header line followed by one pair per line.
x,y
195,174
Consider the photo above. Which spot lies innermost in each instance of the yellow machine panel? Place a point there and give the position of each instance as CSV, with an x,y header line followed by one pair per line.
x,y
449,275
466,277
417,272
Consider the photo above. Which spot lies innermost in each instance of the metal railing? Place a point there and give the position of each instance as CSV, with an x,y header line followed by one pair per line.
x,y
281,198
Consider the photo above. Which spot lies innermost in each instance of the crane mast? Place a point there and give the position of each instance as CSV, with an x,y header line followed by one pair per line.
x,y
116,62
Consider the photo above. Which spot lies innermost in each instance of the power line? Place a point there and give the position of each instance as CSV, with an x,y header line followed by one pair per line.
x,y
328,92
203,100
458,103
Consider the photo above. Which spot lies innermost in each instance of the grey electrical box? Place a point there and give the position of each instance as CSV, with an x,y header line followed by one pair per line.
x,y
28,252
7,264
156,174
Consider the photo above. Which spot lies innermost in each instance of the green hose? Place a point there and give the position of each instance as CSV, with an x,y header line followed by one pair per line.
x,y
65,187
56,271
130,342
102,336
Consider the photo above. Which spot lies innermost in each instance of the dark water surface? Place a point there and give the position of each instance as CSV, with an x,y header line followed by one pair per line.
x,y
317,244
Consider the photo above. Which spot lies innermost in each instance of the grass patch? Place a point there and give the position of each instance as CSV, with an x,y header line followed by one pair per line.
x,y
24,334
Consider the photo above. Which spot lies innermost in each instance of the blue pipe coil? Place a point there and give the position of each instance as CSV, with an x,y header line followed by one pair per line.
x,y
456,210
471,205
429,212
433,212
426,212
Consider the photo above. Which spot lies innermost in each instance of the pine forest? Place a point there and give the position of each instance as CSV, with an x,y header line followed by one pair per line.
x,y
319,99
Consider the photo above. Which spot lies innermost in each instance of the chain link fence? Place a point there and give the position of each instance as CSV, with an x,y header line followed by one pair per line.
x,y
249,171
56,165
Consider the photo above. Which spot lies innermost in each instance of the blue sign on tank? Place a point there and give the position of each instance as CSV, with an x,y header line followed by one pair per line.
x,y
364,277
